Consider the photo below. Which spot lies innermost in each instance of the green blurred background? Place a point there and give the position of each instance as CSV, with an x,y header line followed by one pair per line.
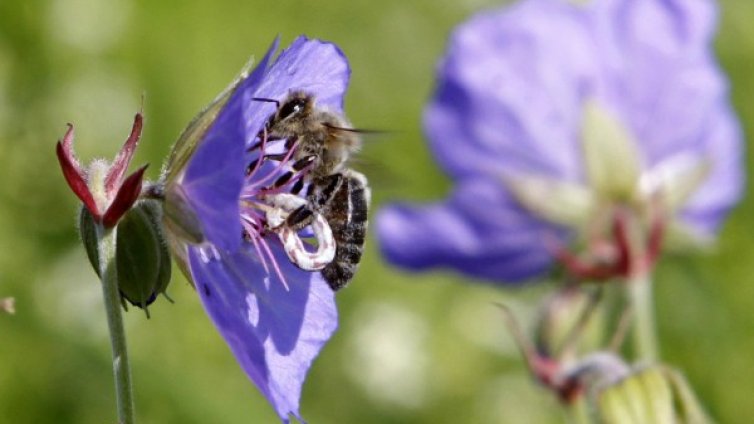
x,y
411,348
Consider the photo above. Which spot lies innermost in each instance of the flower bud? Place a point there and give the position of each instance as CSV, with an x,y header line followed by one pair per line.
x,y
142,258
655,394
569,322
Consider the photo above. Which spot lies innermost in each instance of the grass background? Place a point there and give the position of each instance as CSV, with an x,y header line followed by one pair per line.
x,y
411,348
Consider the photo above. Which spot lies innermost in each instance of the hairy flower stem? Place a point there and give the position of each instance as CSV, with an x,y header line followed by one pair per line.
x,y
639,288
121,369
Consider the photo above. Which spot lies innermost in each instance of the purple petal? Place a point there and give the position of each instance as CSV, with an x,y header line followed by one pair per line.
x,y
670,92
656,59
510,92
721,141
215,174
479,231
273,333
513,85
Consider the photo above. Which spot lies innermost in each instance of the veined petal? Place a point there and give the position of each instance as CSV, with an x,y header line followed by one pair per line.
x,y
273,333
215,173
510,92
721,144
480,230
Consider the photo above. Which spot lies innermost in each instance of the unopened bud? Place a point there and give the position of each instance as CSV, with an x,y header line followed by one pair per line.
x,y
142,257
569,322
143,260
655,394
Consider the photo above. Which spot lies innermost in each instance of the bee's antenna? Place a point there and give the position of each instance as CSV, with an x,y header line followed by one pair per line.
x,y
268,100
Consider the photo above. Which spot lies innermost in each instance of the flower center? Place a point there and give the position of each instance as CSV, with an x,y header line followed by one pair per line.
x,y
620,213
274,179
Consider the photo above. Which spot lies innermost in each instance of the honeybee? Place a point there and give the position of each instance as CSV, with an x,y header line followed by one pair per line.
x,y
322,143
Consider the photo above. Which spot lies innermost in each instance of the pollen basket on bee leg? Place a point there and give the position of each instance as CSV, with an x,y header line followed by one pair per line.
x,y
282,205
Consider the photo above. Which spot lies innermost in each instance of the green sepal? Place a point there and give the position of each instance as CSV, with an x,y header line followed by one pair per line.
x,y
153,209
612,161
88,233
180,218
142,257
189,139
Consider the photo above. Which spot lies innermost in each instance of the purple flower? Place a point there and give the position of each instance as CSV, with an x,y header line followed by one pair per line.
x,y
274,316
550,114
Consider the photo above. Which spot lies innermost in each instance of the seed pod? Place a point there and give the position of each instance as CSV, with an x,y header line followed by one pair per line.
x,y
143,260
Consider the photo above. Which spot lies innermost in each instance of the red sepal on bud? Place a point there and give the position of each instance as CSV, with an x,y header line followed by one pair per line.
x,y
107,199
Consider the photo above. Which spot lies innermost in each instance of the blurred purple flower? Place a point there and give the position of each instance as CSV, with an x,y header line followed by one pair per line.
x,y
274,316
523,93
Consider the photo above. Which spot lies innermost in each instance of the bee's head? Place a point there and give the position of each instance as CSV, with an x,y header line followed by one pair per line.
x,y
296,104
289,115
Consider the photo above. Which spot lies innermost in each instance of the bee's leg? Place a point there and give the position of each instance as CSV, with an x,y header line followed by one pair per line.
x,y
298,166
277,157
256,145
298,186
263,139
290,142
298,253
300,218
286,177
292,243
304,162
253,165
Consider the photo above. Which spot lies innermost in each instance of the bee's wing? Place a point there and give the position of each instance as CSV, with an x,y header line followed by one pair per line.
x,y
274,332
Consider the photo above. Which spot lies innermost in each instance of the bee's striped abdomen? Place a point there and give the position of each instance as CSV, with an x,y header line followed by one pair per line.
x,y
347,216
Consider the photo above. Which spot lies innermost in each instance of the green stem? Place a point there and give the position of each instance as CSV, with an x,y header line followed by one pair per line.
x,y
640,297
578,413
122,371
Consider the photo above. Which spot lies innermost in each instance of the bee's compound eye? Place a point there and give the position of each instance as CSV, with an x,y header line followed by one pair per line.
x,y
292,107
